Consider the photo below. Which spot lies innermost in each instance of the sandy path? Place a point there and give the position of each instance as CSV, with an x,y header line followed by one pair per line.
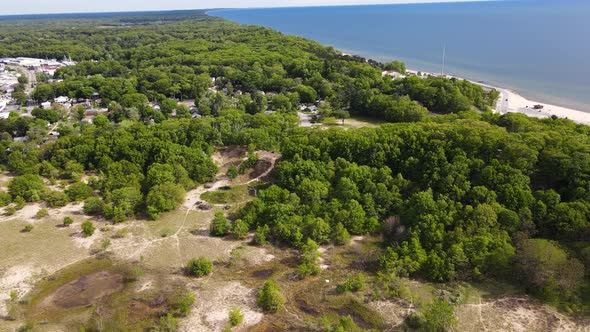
x,y
305,119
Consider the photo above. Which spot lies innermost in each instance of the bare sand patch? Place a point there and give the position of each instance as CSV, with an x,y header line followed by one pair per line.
x,y
514,314
17,279
393,313
213,302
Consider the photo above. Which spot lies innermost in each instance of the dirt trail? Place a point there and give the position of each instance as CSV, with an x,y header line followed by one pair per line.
x,y
131,248
269,156
194,196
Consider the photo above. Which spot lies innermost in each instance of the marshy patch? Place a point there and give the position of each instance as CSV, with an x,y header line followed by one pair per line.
x,y
100,291
262,273
86,290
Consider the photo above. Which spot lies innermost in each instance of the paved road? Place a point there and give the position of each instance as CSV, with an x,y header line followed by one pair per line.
x,y
31,75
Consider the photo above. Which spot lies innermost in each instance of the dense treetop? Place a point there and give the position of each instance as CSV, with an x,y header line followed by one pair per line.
x,y
463,195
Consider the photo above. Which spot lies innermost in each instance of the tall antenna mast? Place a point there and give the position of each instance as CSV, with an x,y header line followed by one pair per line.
x,y
442,73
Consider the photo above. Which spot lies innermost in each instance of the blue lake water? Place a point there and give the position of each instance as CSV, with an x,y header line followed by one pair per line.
x,y
539,48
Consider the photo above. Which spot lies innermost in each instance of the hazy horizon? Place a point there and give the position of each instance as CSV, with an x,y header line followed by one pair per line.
x,y
31,7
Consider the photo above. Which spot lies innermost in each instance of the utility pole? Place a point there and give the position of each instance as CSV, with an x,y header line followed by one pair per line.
x,y
442,73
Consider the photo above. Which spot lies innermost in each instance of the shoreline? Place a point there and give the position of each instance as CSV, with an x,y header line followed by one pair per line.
x,y
509,101
512,102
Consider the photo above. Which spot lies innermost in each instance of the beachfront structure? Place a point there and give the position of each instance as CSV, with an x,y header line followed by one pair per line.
x,y
393,74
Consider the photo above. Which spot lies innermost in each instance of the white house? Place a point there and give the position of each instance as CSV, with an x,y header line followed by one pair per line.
x,y
393,74
62,99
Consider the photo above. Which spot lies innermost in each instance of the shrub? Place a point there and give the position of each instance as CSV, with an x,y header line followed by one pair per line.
x,y
353,283
182,302
270,298
68,221
235,316
163,198
248,163
340,235
5,198
19,203
220,226
26,327
94,206
346,323
43,212
73,170
307,269
122,232
199,267
261,235
28,228
56,199
105,244
240,229
27,186
79,191
88,228
167,323
10,211
546,270
437,316
232,172
309,259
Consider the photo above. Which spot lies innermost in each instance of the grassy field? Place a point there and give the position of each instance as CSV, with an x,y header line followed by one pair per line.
x,y
235,194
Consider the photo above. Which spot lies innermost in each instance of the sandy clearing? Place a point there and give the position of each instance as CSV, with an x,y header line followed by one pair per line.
x,y
213,302
18,279
514,314
29,211
393,313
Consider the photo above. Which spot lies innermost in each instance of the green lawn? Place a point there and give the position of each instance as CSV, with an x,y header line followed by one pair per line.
x,y
233,195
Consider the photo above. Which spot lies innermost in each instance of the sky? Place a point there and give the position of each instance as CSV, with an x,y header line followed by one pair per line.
x,y
13,7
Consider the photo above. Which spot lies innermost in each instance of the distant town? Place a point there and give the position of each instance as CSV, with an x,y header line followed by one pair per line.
x,y
13,68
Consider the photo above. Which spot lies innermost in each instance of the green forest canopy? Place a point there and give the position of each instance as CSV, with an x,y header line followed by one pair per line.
x,y
460,196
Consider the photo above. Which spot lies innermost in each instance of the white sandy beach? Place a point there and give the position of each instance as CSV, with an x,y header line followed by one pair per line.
x,y
510,101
